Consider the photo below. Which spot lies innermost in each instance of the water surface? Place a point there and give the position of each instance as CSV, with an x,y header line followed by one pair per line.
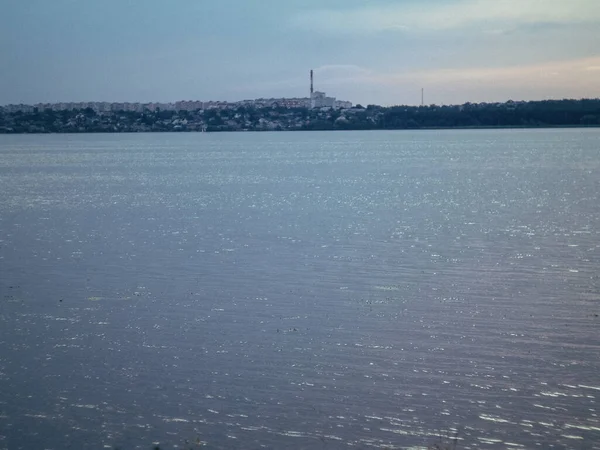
x,y
300,290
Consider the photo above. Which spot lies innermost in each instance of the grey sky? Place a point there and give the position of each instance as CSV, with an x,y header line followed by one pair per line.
x,y
366,51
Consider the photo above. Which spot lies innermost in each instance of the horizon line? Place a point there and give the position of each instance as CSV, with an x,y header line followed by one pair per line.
x,y
292,98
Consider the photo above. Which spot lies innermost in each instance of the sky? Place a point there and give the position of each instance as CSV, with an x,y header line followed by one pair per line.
x,y
365,51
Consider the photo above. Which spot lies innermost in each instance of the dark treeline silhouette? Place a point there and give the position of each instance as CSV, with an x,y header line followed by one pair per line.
x,y
510,114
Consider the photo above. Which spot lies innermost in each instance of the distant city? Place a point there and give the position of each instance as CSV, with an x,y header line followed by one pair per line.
x,y
295,115
316,100
319,100
315,112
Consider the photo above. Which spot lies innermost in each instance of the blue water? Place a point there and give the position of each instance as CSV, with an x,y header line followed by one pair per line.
x,y
300,290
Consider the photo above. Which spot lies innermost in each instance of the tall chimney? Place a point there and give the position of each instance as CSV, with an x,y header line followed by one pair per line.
x,y
311,83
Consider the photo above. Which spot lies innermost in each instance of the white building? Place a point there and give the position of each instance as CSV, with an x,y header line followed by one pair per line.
x,y
341,104
320,100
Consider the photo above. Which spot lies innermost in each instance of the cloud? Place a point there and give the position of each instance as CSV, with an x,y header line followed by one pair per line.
x,y
560,79
335,74
486,14
341,69
556,72
565,72
331,75
576,78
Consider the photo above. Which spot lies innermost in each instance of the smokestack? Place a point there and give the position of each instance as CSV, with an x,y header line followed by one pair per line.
x,y
311,83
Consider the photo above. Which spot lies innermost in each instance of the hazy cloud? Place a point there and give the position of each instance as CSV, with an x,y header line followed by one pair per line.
x,y
485,14
562,79
537,73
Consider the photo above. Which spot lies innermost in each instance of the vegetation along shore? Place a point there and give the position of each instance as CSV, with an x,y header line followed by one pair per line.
x,y
547,113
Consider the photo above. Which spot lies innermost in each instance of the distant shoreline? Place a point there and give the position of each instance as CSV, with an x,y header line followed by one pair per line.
x,y
516,115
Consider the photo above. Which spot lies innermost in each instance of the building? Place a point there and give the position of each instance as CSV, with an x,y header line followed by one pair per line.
x,y
341,104
320,100
188,105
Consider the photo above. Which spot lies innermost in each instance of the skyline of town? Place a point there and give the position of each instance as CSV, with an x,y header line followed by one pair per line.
x,y
181,105
194,105
316,99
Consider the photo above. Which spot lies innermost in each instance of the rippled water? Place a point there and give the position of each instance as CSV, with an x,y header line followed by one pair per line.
x,y
300,290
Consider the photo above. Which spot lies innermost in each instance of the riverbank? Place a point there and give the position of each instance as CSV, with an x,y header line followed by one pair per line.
x,y
542,114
